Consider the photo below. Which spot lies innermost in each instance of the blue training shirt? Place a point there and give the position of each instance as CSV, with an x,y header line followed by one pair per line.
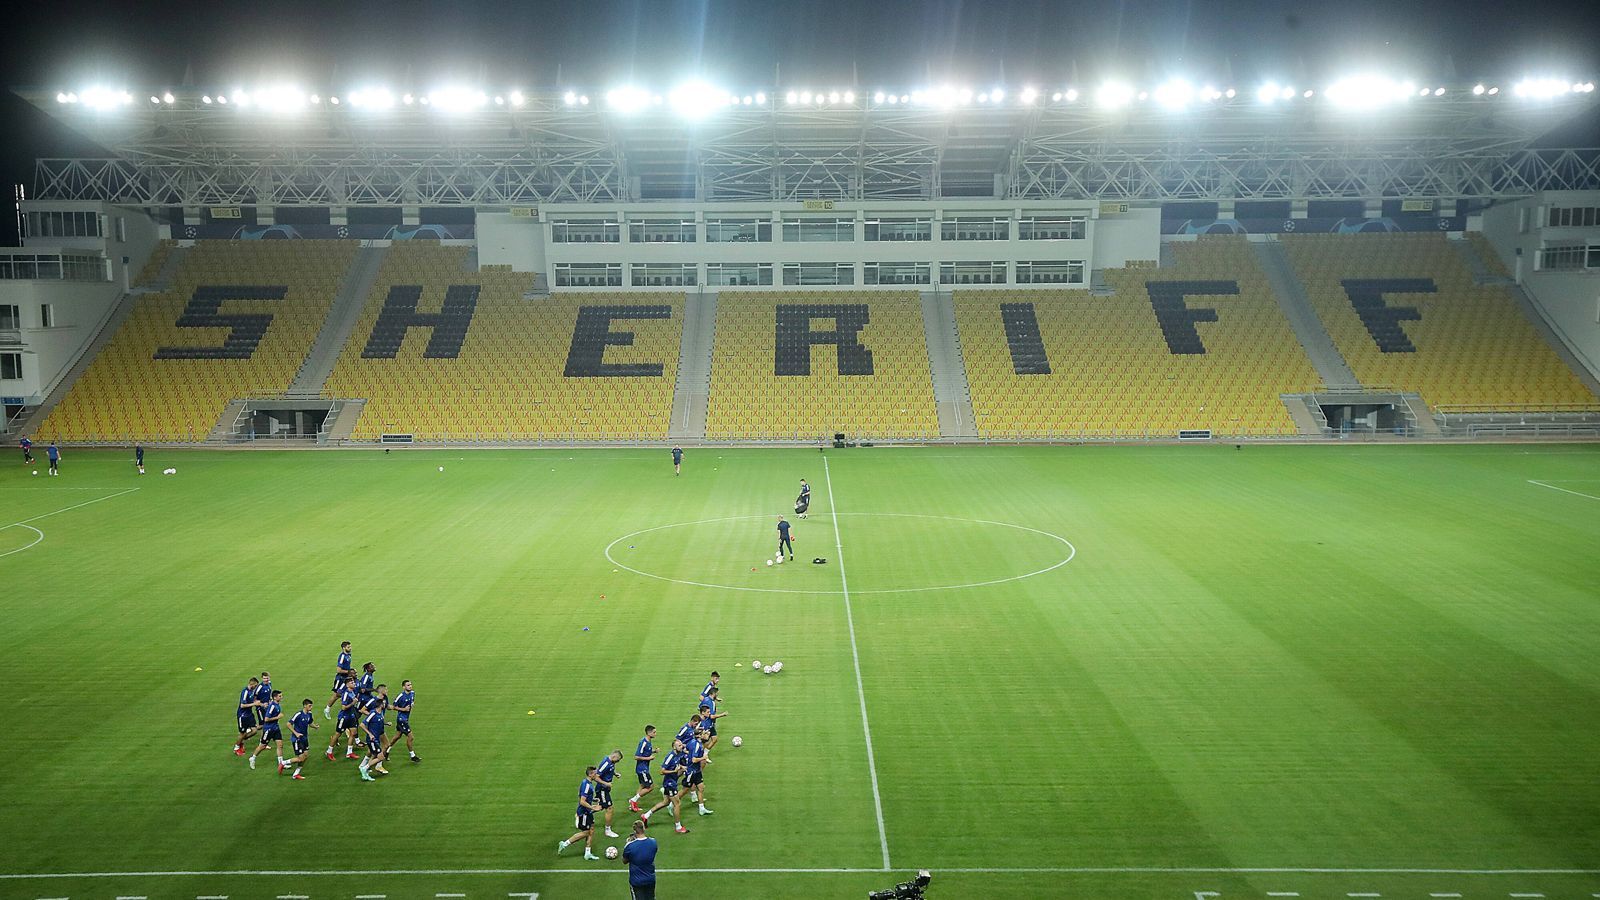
x,y
347,702
264,692
271,711
405,700
586,791
641,857
783,528
344,662
645,748
365,682
695,750
686,733
247,696
300,724
607,771
671,766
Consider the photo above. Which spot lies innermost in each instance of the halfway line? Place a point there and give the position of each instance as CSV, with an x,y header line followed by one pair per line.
x,y
1563,490
855,656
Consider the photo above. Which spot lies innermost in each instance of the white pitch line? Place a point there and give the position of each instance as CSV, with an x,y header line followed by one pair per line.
x,y
1444,895
23,523
1527,896
1283,893
211,897
1563,490
976,870
1363,895
372,897
855,656
449,895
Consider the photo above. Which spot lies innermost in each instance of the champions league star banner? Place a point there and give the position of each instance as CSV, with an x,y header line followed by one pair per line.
x,y
1348,225
222,232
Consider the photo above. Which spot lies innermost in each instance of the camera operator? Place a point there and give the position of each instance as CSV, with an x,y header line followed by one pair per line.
x,y
640,852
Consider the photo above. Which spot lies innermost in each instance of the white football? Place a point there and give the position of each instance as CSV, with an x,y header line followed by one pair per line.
x,y
738,741
169,471
769,562
780,560
755,664
767,669
611,853
35,471
441,468
777,667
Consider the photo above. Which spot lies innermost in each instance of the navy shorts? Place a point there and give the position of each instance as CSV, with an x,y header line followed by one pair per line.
x,y
247,720
584,819
669,787
604,796
301,745
695,778
374,739
711,730
644,778
271,733
345,722
402,726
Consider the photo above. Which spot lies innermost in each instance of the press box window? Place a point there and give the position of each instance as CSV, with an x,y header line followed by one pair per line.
x,y
585,231
739,274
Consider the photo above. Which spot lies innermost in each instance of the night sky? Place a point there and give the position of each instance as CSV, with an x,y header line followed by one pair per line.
x,y
333,46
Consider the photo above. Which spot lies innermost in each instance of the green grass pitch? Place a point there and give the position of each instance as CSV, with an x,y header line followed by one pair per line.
x,y
1313,671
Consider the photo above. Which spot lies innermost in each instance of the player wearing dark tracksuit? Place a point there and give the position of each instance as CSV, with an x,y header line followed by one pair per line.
x,y
785,541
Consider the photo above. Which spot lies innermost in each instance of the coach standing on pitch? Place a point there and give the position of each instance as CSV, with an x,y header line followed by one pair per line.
x,y
640,852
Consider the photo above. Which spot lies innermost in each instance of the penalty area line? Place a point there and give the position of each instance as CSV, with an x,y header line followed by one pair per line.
x,y
1562,489
855,657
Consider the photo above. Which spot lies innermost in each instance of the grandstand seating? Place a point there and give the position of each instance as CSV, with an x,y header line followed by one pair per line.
x,y
238,322
1199,345
772,377
1406,313
495,366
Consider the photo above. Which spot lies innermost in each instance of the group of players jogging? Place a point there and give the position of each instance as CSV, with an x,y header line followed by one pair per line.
x,y
682,772
362,706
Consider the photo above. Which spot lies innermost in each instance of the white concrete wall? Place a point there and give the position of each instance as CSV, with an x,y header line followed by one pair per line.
x,y
506,240
78,308
1135,234
1570,301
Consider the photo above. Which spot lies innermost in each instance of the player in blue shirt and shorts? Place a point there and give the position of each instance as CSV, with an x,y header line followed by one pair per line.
x,y
588,788
785,540
672,772
698,760
344,672
246,714
642,755
607,773
372,726
709,716
677,460
271,728
402,720
349,718
300,738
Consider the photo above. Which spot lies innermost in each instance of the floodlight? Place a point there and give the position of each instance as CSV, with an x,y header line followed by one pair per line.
x,y
833,97
1072,95
1143,96
761,98
748,100
1493,91
583,99
377,98
206,99
983,97
1029,95
1056,97
1368,91
1577,87
154,99
499,100
222,99
1477,90
893,99
1422,93
805,96
516,98
61,97
1541,88
168,98
100,98
626,99
965,95
1112,95
315,99
791,97
997,95
849,96
1309,94
409,99
821,99
335,100
1175,94
72,97
916,97
458,99
905,98
1438,92
569,98
878,97
695,100
1230,93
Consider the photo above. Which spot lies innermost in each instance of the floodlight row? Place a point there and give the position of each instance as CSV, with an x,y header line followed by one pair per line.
x,y
698,99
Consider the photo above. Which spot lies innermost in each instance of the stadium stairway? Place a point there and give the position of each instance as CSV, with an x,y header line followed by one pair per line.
x,y
951,393
692,392
115,316
1291,295
347,306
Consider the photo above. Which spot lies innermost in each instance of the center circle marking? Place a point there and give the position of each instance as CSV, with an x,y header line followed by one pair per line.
x,y
1072,551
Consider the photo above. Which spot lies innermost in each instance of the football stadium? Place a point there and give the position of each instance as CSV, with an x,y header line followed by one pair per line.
x,y
1100,486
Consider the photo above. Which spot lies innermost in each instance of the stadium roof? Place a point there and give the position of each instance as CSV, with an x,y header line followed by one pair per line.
x,y
467,147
